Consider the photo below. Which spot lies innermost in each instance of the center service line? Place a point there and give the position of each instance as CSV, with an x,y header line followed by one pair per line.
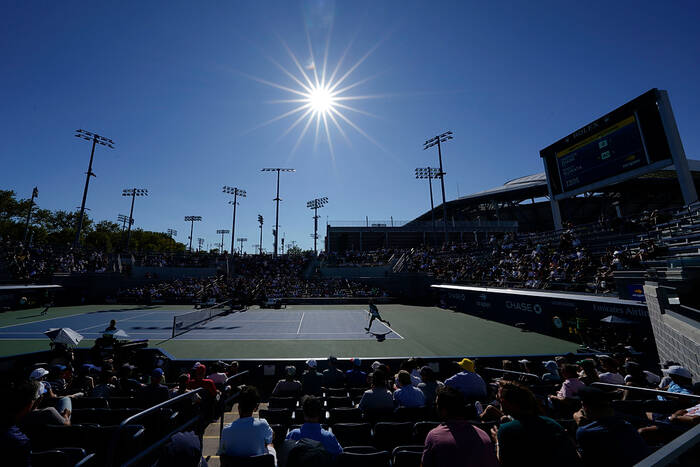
x,y
301,321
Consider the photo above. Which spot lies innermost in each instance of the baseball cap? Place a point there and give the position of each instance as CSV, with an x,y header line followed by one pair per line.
x,y
157,373
466,364
311,363
291,371
356,361
678,371
38,373
376,365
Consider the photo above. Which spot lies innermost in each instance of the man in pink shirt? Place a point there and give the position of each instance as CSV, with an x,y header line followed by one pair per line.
x,y
456,442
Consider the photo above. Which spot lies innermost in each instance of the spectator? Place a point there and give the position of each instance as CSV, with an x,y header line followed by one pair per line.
x,y
128,386
218,375
332,376
355,377
105,387
378,398
552,374
16,403
681,380
429,385
46,415
311,379
183,450
467,381
456,441
199,381
247,436
155,392
606,439
288,386
530,439
407,395
588,374
610,372
311,428
571,385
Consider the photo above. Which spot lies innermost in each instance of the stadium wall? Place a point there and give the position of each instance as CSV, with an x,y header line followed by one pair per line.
x,y
677,335
557,314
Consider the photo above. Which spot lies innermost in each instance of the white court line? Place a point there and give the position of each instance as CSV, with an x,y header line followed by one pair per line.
x,y
300,321
42,320
121,320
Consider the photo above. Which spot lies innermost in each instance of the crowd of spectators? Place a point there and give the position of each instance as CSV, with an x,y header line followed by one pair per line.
x,y
38,262
351,258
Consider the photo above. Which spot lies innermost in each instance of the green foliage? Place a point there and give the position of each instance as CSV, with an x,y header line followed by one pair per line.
x,y
294,251
58,228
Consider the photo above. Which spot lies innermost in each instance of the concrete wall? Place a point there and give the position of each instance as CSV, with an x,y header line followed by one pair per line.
x,y
677,337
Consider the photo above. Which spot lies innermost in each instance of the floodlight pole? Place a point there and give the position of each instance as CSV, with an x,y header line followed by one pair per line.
x,y
35,193
133,192
277,207
192,219
223,232
236,192
241,240
260,220
436,140
429,171
95,138
315,204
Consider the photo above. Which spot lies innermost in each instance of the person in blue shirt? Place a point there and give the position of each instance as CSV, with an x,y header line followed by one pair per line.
x,y
467,381
374,314
355,377
311,428
247,436
407,395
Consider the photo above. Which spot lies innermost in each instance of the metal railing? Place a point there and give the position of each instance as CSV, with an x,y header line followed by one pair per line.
x,y
673,450
656,392
511,372
229,399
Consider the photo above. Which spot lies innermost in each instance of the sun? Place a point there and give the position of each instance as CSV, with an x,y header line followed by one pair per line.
x,y
321,100
320,97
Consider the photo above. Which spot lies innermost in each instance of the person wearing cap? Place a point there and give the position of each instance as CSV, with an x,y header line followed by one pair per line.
x,y
606,439
467,381
332,376
288,387
456,441
198,380
407,395
155,392
610,374
681,381
311,380
127,385
355,377
552,373
47,415
247,436
183,450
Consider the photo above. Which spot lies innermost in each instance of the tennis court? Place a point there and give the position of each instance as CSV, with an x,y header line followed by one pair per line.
x,y
299,331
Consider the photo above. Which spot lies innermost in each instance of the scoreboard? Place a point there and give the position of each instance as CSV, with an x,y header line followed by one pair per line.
x,y
625,143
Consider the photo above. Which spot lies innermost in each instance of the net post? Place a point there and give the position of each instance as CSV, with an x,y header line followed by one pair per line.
x,y
173,336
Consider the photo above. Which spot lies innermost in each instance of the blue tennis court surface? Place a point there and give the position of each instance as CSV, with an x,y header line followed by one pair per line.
x,y
304,324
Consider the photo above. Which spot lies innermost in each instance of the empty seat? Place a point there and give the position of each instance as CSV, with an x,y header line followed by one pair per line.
x,y
89,403
282,402
370,459
353,434
262,460
407,456
125,403
337,392
277,416
421,430
345,415
388,435
410,414
338,401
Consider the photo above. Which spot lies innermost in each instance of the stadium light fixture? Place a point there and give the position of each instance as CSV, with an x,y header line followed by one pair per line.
x,y
430,173
133,192
224,232
96,139
260,221
200,242
236,192
277,200
315,204
192,219
241,240
172,233
429,143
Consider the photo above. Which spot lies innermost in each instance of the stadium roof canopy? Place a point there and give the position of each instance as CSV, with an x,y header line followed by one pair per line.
x,y
535,186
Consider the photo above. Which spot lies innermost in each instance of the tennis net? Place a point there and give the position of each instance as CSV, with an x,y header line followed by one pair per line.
x,y
188,321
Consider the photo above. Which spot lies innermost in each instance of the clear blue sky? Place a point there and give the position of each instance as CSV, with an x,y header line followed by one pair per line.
x,y
170,83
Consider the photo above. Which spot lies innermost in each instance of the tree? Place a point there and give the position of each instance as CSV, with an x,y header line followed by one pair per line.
x,y
294,251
